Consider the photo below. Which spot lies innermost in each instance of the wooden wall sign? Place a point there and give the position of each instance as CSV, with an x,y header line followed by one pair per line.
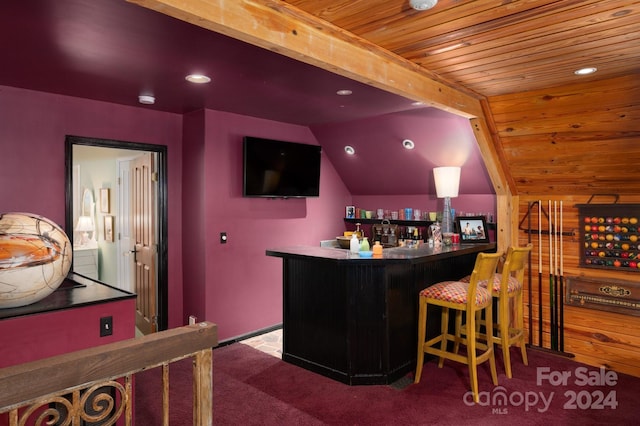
x,y
622,297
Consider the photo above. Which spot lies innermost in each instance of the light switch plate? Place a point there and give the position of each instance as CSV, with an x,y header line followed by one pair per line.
x,y
106,326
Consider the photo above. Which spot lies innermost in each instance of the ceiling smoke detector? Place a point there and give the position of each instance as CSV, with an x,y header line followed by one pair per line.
x,y
422,4
146,99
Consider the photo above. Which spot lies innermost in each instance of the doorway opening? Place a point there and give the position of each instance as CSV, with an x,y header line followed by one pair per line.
x,y
132,223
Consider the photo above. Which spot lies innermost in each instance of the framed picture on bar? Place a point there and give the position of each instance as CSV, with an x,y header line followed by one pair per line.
x,y
472,229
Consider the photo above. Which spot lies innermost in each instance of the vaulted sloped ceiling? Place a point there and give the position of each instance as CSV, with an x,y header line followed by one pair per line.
x,y
556,132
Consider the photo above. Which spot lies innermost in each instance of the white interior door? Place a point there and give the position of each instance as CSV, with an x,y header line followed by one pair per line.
x,y
125,241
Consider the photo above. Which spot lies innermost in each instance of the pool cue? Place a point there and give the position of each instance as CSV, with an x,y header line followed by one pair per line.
x,y
540,273
561,301
530,290
556,311
552,307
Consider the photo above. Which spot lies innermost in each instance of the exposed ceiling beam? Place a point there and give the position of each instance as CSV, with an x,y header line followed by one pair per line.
x,y
280,27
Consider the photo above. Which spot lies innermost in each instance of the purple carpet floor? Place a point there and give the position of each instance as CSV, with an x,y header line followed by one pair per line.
x,y
253,388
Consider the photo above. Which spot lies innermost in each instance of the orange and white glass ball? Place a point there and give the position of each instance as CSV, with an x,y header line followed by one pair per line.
x,y
35,258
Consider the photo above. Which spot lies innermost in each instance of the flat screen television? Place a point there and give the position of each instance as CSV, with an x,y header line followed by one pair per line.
x,y
279,169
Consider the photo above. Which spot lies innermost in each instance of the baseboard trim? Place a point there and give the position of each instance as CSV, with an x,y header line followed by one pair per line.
x,y
248,335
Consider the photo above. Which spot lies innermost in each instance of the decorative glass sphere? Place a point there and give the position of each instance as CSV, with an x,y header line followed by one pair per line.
x,y
35,257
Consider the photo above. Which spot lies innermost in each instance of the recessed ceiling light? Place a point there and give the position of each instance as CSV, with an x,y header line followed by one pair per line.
x,y
344,92
146,99
417,103
349,150
197,78
585,71
408,144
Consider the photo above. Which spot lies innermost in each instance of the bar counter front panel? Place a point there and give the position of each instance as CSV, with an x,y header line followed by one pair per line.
x,y
355,319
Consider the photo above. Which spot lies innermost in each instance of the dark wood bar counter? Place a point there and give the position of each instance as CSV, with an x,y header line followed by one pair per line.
x,y
355,319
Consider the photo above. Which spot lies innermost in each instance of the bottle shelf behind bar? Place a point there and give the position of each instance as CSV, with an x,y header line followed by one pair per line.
x,y
399,222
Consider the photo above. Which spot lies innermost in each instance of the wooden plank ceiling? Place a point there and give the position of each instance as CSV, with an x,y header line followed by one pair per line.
x,y
557,133
496,47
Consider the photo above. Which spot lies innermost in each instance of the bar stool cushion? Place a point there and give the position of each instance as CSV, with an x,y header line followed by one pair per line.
x,y
460,298
455,292
512,285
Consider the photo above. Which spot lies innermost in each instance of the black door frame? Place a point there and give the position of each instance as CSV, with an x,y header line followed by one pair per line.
x,y
163,259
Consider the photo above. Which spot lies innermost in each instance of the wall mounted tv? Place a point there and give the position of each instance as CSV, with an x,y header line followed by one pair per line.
x,y
279,169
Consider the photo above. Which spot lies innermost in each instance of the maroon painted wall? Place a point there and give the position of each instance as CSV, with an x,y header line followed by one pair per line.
x,y
234,285
32,337
33,126
195,226
242,289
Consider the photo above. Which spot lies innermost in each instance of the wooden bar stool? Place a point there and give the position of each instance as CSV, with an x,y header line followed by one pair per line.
x,y
511,330
507,288
468,298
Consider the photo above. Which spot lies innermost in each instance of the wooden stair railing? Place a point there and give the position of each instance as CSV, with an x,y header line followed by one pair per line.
x,y
57,389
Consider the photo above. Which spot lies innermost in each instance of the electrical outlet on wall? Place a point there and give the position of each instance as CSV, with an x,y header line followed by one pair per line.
x,y
106,326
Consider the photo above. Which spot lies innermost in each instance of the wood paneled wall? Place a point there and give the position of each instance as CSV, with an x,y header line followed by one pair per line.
x,y
581,139
594,337
567,144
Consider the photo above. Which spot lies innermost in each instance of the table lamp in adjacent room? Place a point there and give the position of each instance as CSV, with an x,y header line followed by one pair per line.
x,y
447,181
85,225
